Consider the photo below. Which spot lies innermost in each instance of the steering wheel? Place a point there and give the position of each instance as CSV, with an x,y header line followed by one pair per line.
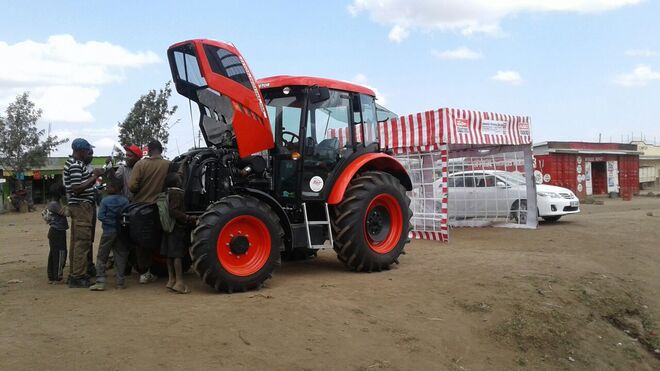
x,y
294,138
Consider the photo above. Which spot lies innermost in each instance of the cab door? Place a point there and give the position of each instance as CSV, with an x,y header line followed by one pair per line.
x,y
286,110
326,140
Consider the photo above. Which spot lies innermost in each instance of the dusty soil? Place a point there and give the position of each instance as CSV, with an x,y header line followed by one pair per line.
x,y
583,293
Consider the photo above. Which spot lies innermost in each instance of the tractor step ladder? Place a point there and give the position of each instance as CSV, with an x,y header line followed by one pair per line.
x,y
317,222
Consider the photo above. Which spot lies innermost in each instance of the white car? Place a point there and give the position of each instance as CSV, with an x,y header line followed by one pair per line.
x,y
501,194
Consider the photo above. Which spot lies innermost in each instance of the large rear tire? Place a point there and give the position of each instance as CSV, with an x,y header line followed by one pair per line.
x,y
372,222
237,244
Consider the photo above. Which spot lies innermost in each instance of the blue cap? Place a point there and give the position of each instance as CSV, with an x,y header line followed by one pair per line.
x,y
80,144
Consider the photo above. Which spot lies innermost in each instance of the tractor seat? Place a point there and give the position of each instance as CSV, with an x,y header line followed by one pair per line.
x,y
327,149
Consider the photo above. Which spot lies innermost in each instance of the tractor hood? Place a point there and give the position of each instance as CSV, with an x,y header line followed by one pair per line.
x,y
215,76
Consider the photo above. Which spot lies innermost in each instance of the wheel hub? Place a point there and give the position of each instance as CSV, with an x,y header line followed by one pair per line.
x,y
239,245
378,223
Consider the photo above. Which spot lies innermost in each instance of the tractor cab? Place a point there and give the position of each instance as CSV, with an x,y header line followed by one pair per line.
x,y
319,125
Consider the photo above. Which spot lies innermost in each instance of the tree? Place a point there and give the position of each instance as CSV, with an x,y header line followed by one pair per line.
x,y
20,145
148,119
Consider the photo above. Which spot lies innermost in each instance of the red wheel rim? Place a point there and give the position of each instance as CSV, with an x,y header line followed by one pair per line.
x,y
382,223
243,232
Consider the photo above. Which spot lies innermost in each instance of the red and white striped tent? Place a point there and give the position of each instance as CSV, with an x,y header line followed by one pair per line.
x,y
442,131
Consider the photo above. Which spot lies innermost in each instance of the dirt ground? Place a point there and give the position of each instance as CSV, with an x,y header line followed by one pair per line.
x,y
583,293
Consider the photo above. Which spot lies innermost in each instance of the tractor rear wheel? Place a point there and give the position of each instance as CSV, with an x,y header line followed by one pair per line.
x,y
237,244
372,223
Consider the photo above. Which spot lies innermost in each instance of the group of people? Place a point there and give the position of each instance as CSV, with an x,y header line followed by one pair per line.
x,y
139,180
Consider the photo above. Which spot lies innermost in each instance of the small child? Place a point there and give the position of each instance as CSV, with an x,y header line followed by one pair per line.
x,y
56,218
173,244
109,211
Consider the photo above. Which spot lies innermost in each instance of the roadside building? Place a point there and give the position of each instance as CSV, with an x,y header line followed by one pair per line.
x,y
649,164
37,181
588,169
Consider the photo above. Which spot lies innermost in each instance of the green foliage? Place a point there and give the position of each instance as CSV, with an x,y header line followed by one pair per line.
x,y
148,119
20,144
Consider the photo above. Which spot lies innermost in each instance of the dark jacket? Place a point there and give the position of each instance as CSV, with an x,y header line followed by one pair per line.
x,y
56,216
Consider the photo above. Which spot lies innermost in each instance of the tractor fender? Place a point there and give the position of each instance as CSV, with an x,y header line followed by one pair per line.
x,y
370,161
277,208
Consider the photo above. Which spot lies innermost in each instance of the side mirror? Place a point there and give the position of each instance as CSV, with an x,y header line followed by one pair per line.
x,y
500,184
318,94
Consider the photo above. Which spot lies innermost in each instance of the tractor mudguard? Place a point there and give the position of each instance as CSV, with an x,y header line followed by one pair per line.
x,y
369,161
277,208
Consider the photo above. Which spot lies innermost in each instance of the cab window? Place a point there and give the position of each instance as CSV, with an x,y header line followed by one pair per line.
x,y
188,69
284,113
327,126
365,119
227,64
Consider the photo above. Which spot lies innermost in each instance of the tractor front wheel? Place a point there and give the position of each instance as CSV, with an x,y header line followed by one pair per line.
x,y
237,244
372,223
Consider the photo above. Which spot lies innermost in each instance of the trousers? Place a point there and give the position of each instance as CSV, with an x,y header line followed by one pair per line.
x,y
56,253
81,237
111,242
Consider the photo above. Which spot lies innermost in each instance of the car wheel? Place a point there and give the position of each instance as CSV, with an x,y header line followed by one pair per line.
x,y
518,212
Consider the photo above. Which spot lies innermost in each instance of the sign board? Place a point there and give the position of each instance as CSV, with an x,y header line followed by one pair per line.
x,y
587,176
612,176
493,127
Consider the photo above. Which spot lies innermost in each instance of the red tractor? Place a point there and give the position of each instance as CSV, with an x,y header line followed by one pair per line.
x,y
292,165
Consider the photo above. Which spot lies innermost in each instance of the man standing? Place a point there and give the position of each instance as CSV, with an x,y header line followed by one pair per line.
x,y
146,182
123,173
79,183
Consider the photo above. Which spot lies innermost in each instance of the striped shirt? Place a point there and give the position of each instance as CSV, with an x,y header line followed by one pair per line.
x,y
75,173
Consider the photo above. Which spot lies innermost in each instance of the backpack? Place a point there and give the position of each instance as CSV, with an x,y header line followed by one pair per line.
x,y
166,220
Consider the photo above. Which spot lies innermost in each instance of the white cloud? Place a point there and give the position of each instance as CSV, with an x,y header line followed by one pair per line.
x,y
509,77
640,76
459,53
65,75
642,53
361,79
466,16
398,34
101,137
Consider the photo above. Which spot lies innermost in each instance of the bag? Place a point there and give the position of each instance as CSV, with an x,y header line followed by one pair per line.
x,y
166,220
140,225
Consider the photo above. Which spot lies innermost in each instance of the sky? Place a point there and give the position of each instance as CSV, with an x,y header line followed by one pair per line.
x,y
579,68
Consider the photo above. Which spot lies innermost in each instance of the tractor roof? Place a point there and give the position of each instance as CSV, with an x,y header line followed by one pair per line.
x,y
285,80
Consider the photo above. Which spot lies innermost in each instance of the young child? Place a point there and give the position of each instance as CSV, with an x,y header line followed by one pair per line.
x,y
109,210
56,218
173,244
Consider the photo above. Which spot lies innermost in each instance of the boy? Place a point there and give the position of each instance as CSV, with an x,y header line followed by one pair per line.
x,y
173,244
109,211
56,218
